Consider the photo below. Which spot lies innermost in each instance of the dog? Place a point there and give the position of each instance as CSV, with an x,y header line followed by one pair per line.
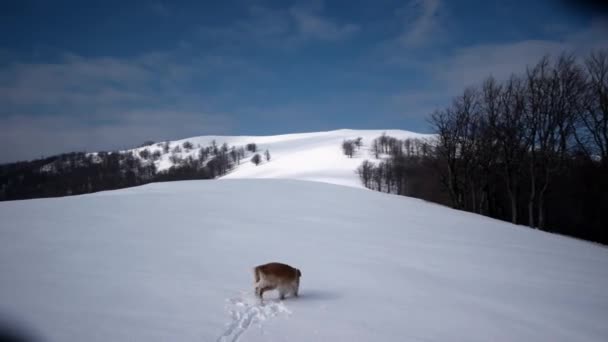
x,y
274,275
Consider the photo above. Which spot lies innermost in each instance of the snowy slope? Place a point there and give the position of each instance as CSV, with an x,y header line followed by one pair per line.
x,y
172,262
313,156
316,156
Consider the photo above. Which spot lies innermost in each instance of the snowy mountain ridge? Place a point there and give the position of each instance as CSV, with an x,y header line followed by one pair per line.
x,y
315,156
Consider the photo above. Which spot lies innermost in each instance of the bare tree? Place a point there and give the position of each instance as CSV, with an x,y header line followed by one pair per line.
x,y
555,98
536,105
252,147
359,142
447,151
376,148
203,154
377,178
510,133
486,146
156,155
348,147
144,154
234,155
365,172
214,148
593,135
187,145
241,152
469,131
458,133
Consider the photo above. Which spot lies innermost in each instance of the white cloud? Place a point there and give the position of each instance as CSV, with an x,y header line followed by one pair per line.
x,y
470,65
73,81
451,72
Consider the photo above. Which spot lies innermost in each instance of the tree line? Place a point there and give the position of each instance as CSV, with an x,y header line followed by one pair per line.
x,y
72,174
532,149
80,172
403,167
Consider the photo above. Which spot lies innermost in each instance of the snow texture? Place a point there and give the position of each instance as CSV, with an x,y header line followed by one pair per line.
x,y
173,262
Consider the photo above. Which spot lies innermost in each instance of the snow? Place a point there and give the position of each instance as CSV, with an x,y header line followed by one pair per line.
x,y
173,262
313,156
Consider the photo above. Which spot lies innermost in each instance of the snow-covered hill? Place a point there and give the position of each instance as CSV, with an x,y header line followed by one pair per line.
x,y
313,156
173,262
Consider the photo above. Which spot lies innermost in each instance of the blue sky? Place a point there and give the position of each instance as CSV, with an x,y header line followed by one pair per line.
x,y
89,75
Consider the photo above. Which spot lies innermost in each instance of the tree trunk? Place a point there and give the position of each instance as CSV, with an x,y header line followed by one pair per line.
x,y
510,180
531,212
485,202
532,196
513,198
452,188
541,212
541,202
473,191
531,202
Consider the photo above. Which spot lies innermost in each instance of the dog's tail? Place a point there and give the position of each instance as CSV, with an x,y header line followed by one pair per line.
x,y
256,274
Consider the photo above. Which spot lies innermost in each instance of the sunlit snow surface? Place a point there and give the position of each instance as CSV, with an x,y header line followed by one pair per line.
x,y
172,262
315,156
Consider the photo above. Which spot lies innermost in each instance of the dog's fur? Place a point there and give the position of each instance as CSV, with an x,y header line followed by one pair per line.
x,y
274,275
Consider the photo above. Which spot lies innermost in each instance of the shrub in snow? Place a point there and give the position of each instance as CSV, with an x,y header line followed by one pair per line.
x,y
252,147
256,159
144,154
348,147
187,145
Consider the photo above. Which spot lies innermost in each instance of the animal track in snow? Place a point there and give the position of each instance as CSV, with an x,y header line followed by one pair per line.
x,y
246,311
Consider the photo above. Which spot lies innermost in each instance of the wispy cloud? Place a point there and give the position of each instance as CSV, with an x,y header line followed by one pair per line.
x,y
310,23
27,137
449,73
283,28
83,103
421,21
159,8
73,81
470,65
